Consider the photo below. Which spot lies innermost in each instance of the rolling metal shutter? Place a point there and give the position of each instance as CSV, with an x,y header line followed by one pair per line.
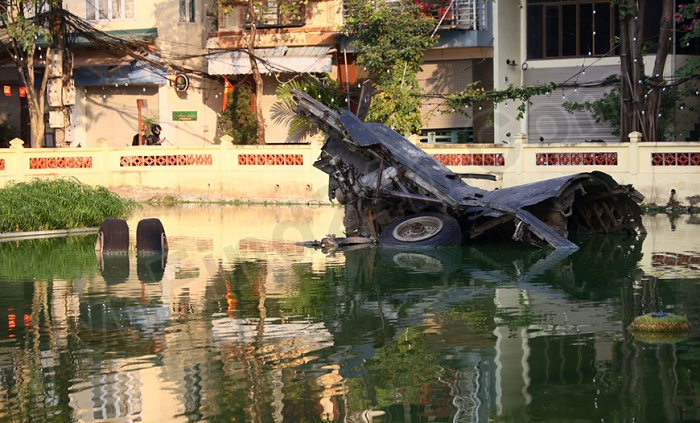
x,y
444,77
548,119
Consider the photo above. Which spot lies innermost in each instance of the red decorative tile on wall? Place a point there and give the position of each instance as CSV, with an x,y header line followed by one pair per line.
x,y
576,159
61,163
270,159
169,160
2,164
477,159
675,159
690,259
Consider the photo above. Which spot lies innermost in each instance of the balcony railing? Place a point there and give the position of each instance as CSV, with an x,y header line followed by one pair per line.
x,y
452,14
460,14
277,14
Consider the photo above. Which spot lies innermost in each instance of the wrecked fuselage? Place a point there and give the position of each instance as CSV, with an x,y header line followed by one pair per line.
x,y
398,195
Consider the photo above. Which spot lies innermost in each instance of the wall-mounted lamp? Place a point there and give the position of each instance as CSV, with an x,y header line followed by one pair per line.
x,y
511,63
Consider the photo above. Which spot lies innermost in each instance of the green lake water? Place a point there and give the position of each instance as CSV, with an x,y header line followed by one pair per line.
x,y
239,324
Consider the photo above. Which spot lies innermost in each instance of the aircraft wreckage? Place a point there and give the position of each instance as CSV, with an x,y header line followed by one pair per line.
x,y
395,194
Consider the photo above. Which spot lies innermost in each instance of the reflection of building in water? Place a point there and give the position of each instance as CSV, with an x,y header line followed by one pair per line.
x,y
282,347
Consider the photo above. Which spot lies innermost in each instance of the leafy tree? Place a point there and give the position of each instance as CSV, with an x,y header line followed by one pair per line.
x,y
24,22
687,16
253,6
391,39
640,95
238,120
646,104
8,132
261,14
324,90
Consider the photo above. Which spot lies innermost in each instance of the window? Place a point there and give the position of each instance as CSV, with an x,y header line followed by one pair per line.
x,y
96,10
570,28
187,10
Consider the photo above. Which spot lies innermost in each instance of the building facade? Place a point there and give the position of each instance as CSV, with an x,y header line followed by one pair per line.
x,y
175,59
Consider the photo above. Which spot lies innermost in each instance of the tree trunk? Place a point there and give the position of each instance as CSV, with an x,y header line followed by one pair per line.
x,y
36,99
656,80
632,70
256,73
640,97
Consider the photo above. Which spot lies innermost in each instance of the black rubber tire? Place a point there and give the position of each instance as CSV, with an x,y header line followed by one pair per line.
x,y
113,236
449,235
150,237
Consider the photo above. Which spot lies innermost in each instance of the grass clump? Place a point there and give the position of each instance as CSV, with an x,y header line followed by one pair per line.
x,y
660,322
64,203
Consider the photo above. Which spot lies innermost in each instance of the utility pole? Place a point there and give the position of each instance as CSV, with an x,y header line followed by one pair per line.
x,y
61,87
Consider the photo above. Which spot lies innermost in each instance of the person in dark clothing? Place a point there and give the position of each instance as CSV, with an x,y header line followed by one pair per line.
x,y
154,138
135,140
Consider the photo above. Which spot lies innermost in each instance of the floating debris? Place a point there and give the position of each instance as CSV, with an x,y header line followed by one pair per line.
x,y
660,328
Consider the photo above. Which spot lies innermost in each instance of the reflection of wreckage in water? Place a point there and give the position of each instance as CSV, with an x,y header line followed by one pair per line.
x,y
398,195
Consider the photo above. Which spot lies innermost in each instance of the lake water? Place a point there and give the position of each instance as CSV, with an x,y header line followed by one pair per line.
x,y
238,323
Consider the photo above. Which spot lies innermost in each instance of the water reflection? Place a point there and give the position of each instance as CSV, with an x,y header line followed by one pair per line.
x,y
238,322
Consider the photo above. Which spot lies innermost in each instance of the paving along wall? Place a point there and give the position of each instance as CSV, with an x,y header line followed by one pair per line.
x,y
284,172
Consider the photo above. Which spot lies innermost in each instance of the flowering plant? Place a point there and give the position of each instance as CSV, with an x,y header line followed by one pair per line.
x,y
687,18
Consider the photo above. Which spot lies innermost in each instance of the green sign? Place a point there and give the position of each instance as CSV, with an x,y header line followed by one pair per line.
x,y
179,116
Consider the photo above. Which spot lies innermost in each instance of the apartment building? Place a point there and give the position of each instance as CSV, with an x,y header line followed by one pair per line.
x,y
175,56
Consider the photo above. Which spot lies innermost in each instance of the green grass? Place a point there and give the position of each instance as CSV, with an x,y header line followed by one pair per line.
x,y
664,323
64,203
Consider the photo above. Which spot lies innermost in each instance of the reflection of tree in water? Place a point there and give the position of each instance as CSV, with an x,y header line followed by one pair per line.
x,y
402,377
261,370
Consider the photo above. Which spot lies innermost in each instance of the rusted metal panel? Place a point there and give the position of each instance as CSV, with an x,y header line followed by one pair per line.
x,y
383,179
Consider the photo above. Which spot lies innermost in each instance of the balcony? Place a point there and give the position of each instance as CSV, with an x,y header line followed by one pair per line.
x,y
452,14
233,16
458,14
279,14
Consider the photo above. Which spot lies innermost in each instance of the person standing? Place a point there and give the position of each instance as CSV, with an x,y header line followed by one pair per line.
x,y
136,140
154,138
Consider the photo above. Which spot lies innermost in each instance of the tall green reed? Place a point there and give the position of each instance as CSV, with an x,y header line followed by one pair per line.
x,y
64,203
